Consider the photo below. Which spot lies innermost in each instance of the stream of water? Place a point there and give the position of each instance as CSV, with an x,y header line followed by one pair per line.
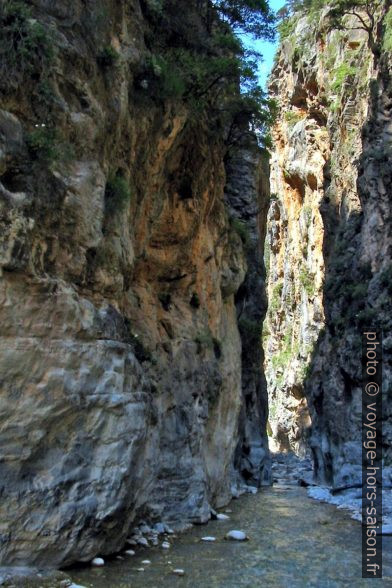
x,y
294,542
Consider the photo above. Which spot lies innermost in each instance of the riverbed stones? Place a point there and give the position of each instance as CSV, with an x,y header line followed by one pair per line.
x,y
142,541
236,536
179,572
208,539
97,562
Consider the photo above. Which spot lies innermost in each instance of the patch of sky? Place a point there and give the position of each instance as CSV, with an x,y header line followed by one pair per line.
x,y
266,48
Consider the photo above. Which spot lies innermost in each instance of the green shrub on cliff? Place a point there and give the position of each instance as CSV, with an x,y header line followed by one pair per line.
x,y
306,279
205,340
292,117
341,74
117,193
241,229
200,59
251,329
107,57
252,17
47,145
26,46
287,27
276,298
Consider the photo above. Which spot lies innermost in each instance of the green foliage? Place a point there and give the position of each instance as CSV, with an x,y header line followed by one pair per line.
x,y
213,72
287,27
211,81
341,74
272,412
305,371
387,39
307,281
367,317
242,231
155,7
362,11
292,117
26,46
45,93
251,330
46,144
252,17
288,351
292,11
205,340
117,193
359,291
276,297
107,57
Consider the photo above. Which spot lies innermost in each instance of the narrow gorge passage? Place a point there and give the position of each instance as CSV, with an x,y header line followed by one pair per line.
x,y
189,269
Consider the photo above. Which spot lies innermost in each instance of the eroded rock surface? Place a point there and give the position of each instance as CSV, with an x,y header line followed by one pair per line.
x,y
123,392
329,235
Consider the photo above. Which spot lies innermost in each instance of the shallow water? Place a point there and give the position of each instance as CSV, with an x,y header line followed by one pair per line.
x,y
294,542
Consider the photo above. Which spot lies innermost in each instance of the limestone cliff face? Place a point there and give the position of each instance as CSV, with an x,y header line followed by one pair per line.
x,y
329,240
123,392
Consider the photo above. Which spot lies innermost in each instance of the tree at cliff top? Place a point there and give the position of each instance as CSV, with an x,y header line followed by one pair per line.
x,y
363,12
206,65
248,16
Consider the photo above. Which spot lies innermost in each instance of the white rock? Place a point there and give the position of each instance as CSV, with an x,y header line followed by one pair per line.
x,y
236,536
146,562
98,562
75,586
179,572
251,489
208,539
132,542
140,569
119,557
170,531
222,517
129,552
165,545
144,529
142,541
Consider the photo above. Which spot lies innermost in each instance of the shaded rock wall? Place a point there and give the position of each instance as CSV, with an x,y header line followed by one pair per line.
x,y
329,240
123,391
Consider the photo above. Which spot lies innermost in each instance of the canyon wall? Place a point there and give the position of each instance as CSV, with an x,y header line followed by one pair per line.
x,y
328,238
131,270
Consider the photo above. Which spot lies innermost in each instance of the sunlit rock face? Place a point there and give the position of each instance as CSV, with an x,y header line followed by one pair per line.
x,y
328,242
124,391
